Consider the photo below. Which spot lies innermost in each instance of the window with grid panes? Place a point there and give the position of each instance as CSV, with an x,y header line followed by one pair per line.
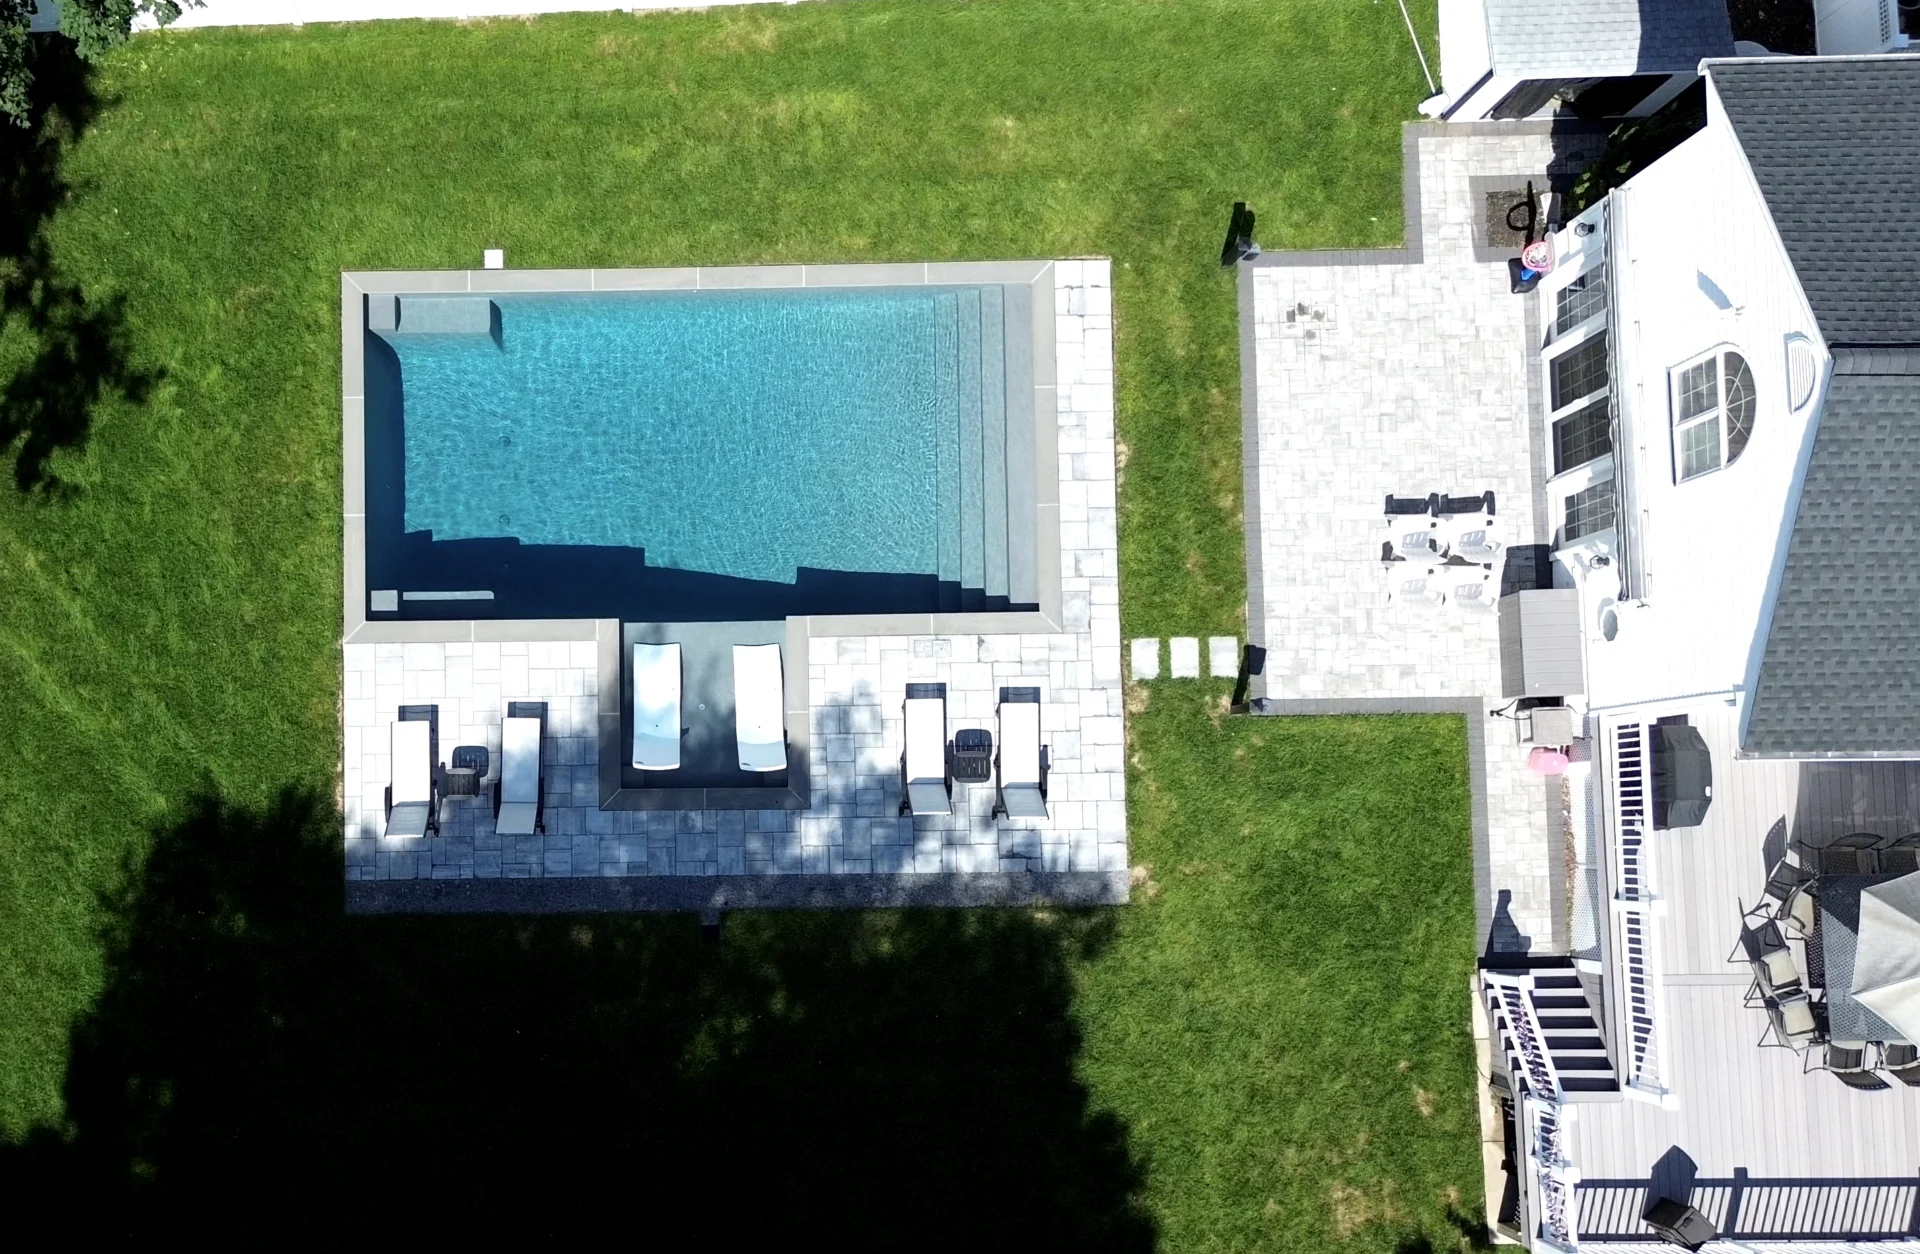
x,y
1713,406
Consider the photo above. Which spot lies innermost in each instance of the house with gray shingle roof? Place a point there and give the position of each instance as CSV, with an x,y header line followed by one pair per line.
x,y
1510,59
1728,451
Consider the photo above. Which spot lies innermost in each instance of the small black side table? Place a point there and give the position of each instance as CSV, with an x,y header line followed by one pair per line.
x,y
469,767
972,756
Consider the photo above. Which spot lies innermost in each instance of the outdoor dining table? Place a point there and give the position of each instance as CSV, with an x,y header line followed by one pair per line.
x,y
1847,1019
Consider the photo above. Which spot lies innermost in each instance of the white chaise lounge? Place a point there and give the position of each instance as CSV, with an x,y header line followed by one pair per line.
x,y
1022,765
759,707
656,707
413,802
925,786
519,808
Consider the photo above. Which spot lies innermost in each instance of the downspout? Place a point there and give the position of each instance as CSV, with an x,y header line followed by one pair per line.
x,y
1626,514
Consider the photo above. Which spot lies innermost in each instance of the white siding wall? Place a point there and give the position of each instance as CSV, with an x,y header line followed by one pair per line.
x,y
1695,222
1846,27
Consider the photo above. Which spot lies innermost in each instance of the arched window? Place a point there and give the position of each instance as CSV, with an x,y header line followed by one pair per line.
x,y
1713,412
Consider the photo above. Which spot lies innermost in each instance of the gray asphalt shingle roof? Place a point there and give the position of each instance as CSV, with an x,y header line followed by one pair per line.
x,y
1835,148
1840,671
1579,38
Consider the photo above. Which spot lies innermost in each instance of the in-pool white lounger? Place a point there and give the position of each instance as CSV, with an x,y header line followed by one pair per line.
x,y
759,707
656,707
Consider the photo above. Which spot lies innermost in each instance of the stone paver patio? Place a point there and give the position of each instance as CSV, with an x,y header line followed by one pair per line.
x,y
1406,372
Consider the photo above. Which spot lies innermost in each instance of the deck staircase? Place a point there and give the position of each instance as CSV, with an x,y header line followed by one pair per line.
x,y
985,462
1560,1041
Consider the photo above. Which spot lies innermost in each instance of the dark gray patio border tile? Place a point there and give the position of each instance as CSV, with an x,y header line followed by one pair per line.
x,y
528,280
648,893
878,274
413,280
353,454
663,279
752,276
987,271
353,314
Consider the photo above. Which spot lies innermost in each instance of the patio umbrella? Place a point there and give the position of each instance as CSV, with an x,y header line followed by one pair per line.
x,y
1886,965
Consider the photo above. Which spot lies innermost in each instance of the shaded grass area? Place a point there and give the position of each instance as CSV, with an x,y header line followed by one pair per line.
x,y
1266,1051
169,610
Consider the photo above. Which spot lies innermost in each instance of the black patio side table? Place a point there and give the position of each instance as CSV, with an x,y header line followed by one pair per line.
x,y
468,768
972,756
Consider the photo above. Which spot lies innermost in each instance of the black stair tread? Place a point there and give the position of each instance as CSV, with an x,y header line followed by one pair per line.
x,y
1588,1084
1574,1043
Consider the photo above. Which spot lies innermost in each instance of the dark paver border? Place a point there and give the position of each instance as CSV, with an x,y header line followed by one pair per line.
x,y
704,893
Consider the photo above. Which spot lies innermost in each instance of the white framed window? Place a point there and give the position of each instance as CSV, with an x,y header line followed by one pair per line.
x,y
1713,403
1580,301
1587,511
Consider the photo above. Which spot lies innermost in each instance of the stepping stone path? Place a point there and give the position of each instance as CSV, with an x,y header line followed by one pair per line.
x,y
1223,657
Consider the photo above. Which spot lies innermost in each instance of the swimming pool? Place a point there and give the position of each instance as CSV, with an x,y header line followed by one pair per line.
x,y
699,454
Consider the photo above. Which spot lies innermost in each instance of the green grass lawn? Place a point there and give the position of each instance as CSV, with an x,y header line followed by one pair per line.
x,y
169,617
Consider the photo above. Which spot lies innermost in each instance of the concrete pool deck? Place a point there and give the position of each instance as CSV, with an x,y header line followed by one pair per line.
x,y
831,835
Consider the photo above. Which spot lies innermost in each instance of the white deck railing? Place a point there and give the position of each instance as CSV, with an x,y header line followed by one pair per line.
x,y
1510,991
1636,958
1552,1176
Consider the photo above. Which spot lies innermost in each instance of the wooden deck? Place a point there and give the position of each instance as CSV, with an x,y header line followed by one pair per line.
x,y
1737,1107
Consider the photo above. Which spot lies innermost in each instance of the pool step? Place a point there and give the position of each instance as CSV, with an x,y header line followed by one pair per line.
x,y
971,452
984,471
993,440
1023,574
946,451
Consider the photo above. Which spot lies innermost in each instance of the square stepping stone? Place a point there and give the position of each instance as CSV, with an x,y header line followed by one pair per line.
x,y
1223,657
1186,657
1146,657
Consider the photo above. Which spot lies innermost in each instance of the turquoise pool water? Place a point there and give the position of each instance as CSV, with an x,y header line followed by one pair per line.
x,y
739,434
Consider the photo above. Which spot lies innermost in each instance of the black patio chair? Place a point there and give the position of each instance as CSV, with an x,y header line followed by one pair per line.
x,y
1902,1061
1680,1223
1850,1062
1900,855
1455,506
1402,505
1852,854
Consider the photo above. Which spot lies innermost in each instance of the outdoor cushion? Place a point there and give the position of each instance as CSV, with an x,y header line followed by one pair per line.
x,y
519,777
759,707
656,706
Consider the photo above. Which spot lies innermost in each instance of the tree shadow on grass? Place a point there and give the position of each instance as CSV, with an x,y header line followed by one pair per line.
x,y
260,1062
76,353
